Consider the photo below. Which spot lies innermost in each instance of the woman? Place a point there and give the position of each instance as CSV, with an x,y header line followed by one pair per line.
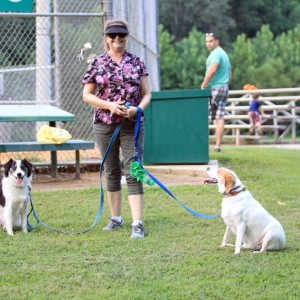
x,y
113,78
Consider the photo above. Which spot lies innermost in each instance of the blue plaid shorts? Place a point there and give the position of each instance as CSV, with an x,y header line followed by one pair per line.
x,y
219,96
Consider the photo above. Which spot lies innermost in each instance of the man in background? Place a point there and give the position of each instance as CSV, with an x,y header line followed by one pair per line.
x,y
217,78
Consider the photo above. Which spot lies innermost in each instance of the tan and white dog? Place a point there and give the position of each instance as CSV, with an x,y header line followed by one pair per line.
x,y
253,226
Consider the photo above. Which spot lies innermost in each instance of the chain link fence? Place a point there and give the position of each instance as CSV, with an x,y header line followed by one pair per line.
x,y
43,56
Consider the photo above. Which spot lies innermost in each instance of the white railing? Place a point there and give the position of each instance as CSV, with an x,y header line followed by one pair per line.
x,y
282,113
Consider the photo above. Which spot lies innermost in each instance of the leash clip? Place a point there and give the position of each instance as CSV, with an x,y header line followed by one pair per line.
x,y
127,104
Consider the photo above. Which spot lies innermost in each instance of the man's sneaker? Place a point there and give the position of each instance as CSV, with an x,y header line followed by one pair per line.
x,y
113,225
217,149
137,231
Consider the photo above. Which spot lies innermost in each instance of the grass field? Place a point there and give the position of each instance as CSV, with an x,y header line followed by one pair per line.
x,y
180,258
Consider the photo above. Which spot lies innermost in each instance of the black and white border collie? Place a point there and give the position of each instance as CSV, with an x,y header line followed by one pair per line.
x,y
14,195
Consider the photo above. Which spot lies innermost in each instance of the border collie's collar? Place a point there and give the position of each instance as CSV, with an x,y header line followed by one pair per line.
x,y
234,191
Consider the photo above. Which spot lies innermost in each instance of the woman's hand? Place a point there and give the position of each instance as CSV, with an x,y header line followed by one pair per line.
x,y
130,111
118,108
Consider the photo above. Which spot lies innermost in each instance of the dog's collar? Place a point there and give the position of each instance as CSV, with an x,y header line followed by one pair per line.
x,y
234,191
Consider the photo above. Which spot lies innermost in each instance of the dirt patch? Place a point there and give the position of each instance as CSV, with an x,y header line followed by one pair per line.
x,y
42,181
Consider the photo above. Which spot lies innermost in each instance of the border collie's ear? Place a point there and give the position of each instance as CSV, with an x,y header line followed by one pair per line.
x,y
28,165
7,167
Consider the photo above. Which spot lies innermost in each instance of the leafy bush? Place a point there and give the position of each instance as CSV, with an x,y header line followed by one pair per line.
x,y
264,60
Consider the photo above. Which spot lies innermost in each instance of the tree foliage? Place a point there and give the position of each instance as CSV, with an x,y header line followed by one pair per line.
x,y
228,18
15,49
180,16
191,60
168,58
280,15
269,62
261,38
265,60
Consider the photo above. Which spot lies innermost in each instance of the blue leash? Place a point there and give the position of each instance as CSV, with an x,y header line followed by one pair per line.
x,y
137,159
101,203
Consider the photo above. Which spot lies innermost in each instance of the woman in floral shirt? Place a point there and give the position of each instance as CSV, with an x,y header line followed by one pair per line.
x,y
113,78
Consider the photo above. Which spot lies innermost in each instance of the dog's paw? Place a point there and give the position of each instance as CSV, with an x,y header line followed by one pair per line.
x,y
227,245
258,251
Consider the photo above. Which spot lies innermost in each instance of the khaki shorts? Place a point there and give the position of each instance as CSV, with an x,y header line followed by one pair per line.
x,y
113,163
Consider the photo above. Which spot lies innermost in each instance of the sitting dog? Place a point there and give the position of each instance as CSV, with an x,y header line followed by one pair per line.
x,y
14,195
244,216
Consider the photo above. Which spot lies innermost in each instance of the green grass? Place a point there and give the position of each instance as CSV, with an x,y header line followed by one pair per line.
x,y
180,258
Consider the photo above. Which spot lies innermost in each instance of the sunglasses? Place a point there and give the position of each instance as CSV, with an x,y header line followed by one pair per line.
x,y
211,34
114,35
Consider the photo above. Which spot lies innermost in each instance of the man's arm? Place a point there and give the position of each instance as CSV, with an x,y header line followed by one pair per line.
x,y
211,72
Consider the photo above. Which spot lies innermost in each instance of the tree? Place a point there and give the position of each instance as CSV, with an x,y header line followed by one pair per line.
x,y
191,58
180,16
288,48
280,15
265,60
243,61
228,18
17,48
168,57
271,74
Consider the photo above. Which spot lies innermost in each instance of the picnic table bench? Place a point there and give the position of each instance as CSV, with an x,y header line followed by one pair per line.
x,y
36,113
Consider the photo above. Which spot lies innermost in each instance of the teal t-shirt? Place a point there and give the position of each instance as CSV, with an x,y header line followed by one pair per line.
x,y
222,74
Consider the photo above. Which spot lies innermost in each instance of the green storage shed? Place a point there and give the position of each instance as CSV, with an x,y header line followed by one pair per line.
x,y
177,127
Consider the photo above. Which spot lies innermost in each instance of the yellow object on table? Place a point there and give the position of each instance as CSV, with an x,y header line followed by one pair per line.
x,y
52,135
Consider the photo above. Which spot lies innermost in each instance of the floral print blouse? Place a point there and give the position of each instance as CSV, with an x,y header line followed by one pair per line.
x,y
115,82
